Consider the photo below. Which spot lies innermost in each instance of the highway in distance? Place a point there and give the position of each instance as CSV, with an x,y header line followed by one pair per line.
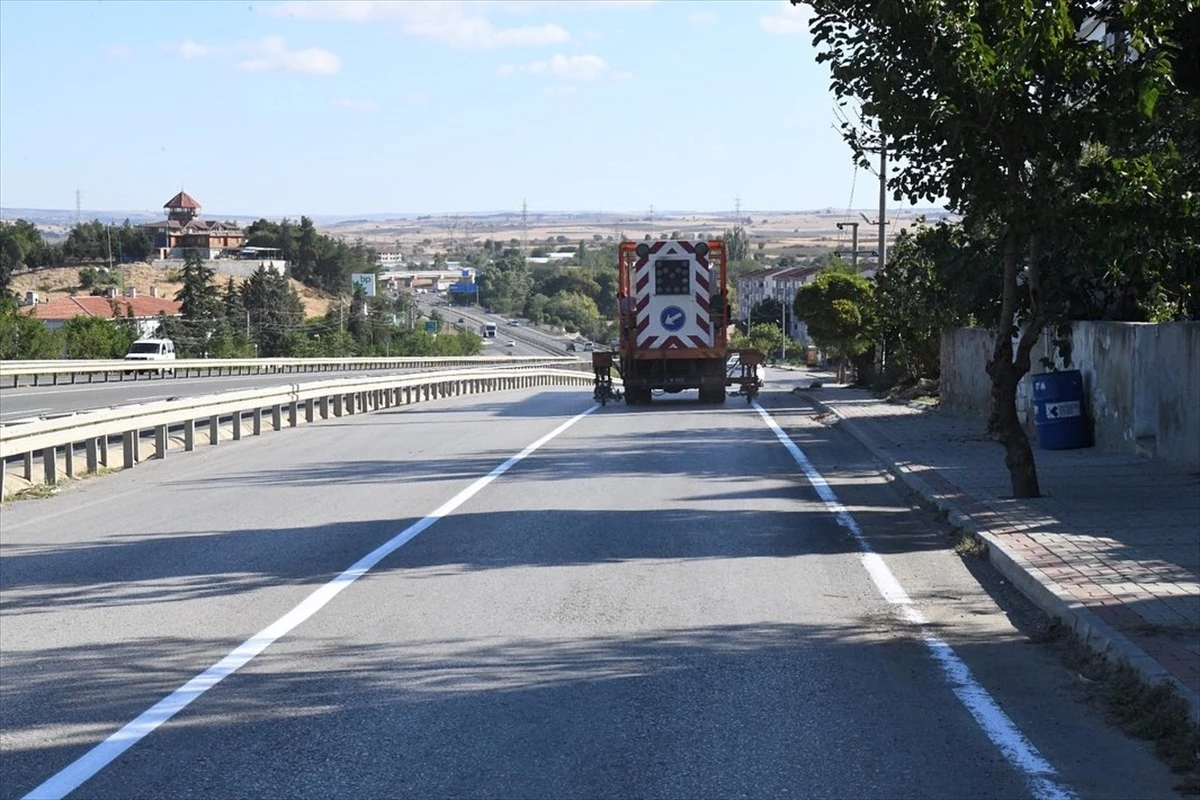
x,y
521,595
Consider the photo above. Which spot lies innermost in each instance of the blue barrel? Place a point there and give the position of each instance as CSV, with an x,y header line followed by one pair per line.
x,y
1058,410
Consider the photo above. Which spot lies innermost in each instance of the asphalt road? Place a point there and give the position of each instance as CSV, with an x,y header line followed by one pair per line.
x,y
655,602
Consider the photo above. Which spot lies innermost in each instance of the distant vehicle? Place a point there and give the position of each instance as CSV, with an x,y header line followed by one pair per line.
x,y
461,320
511,343
588,347
488,330
152,350
512,323
571,348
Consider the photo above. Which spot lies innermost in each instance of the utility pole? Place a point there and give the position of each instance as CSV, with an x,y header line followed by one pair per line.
x,y
652,236
78,206
783,322
882,201
853,241
524,227
737,208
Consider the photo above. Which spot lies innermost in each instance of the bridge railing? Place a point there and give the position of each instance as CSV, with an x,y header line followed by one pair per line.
x,y
50,372
148,430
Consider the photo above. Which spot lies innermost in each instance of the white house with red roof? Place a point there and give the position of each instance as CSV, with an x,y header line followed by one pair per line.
x,y
140,310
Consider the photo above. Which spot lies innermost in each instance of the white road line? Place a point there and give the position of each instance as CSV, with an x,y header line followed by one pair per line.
x,y
996,725
82,769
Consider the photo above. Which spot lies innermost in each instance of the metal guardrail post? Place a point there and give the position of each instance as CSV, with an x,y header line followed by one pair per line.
x,y
50,465
189,435
28,458
214,429
277,417
129,443
161,438
237,426
92,460
257,422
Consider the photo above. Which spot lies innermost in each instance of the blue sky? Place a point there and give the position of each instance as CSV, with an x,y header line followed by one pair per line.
x,y
343,108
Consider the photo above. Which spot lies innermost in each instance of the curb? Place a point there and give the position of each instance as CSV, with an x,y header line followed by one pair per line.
x,y
1046,594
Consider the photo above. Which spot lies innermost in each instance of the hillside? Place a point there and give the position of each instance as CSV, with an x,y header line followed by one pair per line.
x,y
64,281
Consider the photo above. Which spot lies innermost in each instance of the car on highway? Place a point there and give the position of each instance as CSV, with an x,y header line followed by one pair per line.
x,y
510,343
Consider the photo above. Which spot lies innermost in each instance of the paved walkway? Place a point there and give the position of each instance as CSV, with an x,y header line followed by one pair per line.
x,y
1112,548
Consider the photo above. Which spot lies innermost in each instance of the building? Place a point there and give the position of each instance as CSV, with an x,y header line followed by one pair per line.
x,y
183,232
140,310
776,283
389,259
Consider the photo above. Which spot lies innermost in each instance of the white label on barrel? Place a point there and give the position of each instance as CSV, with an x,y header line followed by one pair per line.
x,y
1062,410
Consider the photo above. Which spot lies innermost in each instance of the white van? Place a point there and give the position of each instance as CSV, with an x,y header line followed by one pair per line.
x,y
152,350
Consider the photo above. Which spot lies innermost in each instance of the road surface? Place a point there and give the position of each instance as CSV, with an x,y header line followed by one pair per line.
x,y
639,601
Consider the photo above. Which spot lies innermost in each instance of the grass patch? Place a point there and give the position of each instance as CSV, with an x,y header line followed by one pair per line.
x,y
966,545
35,492
1155,713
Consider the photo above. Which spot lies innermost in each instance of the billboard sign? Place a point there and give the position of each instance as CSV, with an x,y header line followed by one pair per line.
x,y
366,280
462,288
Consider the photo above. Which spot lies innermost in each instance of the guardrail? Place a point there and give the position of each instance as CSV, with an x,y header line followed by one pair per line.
x,y
50,371
91,431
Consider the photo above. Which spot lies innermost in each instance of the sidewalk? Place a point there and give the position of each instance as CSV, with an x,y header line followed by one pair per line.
x,y
1112,548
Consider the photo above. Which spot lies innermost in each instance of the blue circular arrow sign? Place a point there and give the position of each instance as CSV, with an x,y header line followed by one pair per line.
x,y
672,318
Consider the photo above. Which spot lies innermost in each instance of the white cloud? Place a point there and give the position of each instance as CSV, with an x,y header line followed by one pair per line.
x,y
190,49
560,90
791,20
702,18
270,54
356,105
451,22
574,68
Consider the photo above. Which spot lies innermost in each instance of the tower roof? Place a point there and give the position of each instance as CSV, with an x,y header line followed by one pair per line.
x,y
181,200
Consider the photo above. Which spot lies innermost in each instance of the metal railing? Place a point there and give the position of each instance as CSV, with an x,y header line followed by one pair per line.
x,y
49,372
243,412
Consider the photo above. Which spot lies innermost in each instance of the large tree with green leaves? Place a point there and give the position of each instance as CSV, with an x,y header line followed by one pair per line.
x,y
992,105
837,308
274,310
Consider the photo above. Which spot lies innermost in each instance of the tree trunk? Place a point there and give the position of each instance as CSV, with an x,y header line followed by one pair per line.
x,y
1003,421
1006,373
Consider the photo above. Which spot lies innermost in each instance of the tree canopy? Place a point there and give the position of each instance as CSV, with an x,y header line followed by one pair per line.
x,y
996,107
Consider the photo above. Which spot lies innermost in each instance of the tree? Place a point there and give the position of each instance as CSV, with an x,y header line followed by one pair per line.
x,y
991,106
96,337
198,297
737,243
836,307
504,285
23,336
274,309
937,278
768,311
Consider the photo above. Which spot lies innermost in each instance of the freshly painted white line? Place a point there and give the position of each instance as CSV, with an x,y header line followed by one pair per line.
x,y
82,769
996,725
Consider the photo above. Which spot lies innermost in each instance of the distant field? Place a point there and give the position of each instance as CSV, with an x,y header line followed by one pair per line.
x,y
778,232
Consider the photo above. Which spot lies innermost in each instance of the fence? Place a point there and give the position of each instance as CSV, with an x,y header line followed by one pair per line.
x,y
244,411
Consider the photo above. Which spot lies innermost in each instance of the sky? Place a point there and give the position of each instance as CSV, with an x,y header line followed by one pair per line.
x,y
352,108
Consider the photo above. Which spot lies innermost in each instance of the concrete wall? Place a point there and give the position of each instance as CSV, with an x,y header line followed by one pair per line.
x,y
1141,382
965,385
